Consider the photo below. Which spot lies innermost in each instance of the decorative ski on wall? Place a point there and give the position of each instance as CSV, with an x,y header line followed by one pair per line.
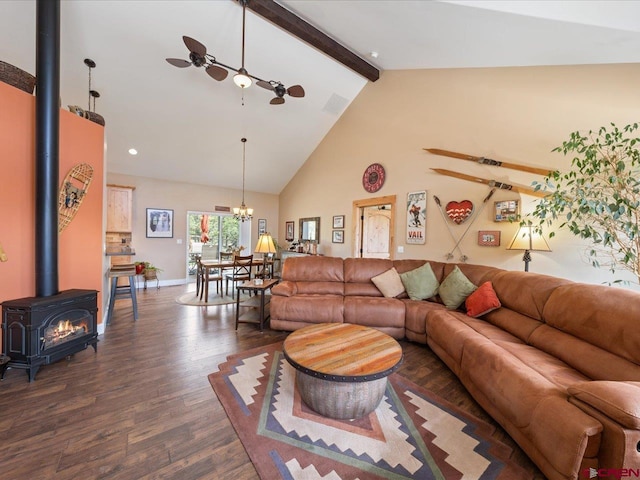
x,y
492,183
488,161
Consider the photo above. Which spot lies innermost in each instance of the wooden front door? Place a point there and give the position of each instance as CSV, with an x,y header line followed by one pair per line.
x,y
376,235
374,225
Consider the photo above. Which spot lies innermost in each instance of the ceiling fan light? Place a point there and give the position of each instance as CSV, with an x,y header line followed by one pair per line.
x,y
242,79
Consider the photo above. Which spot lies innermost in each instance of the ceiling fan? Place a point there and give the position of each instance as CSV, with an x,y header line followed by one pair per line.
x,y
198,57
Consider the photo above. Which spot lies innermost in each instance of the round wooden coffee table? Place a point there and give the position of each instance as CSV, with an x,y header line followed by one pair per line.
x,y
342,369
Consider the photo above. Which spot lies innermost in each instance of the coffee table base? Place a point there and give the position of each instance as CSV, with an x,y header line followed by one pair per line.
x,y
341,400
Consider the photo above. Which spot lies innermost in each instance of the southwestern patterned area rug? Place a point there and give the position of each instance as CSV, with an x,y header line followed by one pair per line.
x,y
411,435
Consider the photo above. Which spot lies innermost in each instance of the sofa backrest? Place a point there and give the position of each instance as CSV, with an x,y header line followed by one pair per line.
x,y
358,273
315,274
526,292
607,319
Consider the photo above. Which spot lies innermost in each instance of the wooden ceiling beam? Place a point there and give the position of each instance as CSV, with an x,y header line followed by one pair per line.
x,y
296,26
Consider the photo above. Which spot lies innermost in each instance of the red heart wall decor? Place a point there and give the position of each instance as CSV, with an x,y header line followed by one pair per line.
x,y
458,212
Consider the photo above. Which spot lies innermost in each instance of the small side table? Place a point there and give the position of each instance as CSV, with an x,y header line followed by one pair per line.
x,y
260,300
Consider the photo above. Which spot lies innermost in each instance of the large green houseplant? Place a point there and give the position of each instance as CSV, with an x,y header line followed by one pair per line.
x,y
598,198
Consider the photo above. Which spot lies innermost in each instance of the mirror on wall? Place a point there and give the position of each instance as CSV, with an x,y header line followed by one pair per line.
x,y
310,229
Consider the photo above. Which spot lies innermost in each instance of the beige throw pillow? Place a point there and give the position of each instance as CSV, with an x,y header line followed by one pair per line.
x,y
389,283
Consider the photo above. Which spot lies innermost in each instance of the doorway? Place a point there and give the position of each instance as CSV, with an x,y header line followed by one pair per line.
x,y
209,234
374,220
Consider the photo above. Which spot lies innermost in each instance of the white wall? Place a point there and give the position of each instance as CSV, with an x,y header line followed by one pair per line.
x,y
170,253
511,114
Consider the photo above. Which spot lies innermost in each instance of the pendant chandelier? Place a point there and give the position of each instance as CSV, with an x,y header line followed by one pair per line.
x,y
243,213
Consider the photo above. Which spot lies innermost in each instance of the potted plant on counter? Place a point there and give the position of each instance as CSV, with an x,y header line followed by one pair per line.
x,y
147,269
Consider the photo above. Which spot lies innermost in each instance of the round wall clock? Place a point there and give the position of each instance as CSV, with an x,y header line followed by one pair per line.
x,y
373,177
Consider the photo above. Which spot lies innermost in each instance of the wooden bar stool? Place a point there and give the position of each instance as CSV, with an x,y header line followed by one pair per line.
x,y
123,291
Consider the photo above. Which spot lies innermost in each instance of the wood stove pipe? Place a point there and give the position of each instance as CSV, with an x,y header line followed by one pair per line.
x,y
47,145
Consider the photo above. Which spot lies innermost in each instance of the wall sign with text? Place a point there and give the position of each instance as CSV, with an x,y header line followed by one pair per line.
x,y
416,217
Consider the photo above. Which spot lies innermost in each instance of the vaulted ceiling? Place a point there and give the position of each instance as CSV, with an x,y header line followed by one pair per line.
x,y
187,127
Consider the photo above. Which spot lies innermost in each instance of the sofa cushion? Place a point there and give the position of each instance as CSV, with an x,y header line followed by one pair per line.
x,y
513,322
593,361
307,308
389,283
420,283
617,400
482,301
455,289
511,385
386,314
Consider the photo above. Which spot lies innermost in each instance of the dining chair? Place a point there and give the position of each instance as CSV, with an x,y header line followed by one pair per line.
x,y
241,271
198,273
226,256
215,275
209,252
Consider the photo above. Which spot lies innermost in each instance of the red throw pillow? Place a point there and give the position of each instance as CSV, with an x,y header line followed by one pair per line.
x,y
482,301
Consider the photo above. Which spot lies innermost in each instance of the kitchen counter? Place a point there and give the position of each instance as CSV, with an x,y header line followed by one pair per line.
x,y
119,251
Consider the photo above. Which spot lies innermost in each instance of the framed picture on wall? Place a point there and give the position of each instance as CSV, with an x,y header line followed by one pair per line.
x,y
416,217
489,238
289,231
337,236
507,211
159,223
338,221
262,226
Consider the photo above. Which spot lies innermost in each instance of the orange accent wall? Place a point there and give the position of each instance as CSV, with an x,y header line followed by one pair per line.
x,y
80,253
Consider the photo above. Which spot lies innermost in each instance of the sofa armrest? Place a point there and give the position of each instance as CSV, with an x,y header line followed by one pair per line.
x,y
285,289
619,401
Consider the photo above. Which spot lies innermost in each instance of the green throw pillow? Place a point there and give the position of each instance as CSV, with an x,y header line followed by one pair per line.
x,y
455,289
420,283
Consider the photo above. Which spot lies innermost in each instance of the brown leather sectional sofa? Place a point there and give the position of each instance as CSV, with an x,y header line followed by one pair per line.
x,y
557,365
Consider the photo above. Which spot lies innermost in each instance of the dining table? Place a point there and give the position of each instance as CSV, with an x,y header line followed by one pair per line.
x,y
223,265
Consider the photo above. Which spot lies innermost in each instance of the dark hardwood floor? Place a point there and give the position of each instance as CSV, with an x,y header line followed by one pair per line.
x,y
142,407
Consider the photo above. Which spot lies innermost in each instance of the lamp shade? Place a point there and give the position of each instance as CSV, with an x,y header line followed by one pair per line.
x,y
242,78
528,239
265,244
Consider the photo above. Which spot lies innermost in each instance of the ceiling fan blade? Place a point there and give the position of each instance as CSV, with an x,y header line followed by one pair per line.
x,y
178,62
217,73
277,101
296,91
195,46
264,84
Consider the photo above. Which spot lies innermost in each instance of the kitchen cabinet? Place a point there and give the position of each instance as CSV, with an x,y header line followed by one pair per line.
x,y
119,209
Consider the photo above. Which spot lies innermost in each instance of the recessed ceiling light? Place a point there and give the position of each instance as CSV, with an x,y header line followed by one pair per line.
x,y
374,54
133,151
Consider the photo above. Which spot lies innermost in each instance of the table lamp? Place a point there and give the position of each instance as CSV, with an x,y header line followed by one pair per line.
x,y
265,246
528,239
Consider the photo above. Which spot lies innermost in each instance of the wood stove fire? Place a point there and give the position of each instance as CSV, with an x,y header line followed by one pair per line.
x,y
38,331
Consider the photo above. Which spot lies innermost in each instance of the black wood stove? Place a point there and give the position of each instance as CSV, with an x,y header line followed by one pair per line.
x,y
41,330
